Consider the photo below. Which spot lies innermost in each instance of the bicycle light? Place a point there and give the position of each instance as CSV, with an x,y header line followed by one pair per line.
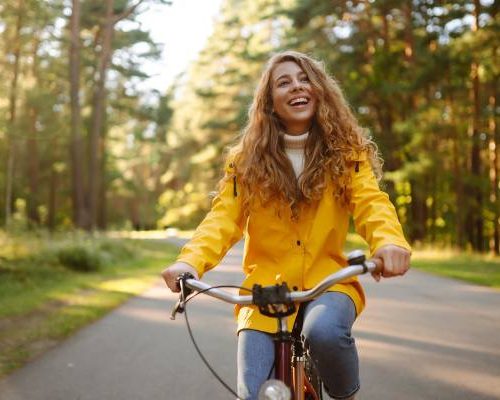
x,y
274,390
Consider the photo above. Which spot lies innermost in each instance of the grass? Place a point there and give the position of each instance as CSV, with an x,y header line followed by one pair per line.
x,y
474,268
481,269
42,302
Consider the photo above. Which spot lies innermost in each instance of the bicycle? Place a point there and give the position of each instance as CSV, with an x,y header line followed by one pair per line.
x,y
295,375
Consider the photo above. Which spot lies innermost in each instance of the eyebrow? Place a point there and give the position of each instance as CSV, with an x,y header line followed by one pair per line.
x,y
288,76
282,76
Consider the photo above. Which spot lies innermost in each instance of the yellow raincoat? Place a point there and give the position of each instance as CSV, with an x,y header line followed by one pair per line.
x,y
300,253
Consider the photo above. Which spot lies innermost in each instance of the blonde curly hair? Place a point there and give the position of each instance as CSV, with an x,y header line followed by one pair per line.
x,y
335,140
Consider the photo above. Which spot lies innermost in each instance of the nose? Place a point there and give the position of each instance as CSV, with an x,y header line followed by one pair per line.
x,y
297,84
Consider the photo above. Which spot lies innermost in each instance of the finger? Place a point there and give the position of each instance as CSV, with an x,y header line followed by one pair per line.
x,y
408,261
170,281
402,262
376,276
164,275
379,264
388,266
175,288
398,266
174,282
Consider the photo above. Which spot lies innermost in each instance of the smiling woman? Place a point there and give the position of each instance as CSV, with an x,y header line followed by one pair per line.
x,y
293,97
301,167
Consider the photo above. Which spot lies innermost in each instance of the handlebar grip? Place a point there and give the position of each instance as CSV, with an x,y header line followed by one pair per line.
x,y
379,265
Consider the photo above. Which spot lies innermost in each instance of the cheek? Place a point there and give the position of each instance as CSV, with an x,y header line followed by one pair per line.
x,y
278,103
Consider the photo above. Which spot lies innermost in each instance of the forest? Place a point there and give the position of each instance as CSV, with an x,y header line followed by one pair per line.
x,y
84,146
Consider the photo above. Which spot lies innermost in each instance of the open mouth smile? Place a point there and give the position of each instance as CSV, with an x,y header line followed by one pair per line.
x,y
299,101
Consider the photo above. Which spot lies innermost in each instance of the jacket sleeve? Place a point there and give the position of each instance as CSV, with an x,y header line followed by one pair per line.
x,y
220,229
375,217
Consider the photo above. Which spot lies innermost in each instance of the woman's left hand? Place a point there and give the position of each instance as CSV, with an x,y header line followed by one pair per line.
x,y
396,261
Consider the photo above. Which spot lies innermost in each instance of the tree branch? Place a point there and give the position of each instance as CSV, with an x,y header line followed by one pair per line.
x,y
117,18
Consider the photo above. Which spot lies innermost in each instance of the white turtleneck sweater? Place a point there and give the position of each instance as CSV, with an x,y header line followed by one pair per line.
x,y
295,148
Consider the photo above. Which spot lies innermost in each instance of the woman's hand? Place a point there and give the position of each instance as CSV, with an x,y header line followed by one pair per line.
x,y
171,273
395,259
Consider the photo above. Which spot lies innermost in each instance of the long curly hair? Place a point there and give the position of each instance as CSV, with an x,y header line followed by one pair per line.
x,y
335,139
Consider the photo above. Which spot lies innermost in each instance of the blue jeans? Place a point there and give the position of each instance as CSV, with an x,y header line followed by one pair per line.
x,y
326,332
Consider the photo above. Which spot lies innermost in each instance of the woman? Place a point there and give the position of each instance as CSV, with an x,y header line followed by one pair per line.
x,y
302,166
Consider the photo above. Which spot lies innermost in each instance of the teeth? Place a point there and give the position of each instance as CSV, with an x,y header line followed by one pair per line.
x,y
299,100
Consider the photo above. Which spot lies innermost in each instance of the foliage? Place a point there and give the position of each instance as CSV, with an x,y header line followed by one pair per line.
x,y
420,76
42,302
80,258
35,115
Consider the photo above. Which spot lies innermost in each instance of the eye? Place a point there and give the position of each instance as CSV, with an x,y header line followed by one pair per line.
x,y
304,78
282,83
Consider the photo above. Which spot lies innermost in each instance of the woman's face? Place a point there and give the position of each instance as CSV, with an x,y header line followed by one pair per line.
x,y
294,100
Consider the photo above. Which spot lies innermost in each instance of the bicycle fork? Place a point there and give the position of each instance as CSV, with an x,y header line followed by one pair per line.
x,y
290,368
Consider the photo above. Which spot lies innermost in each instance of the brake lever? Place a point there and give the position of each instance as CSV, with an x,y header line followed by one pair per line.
x,y
185,292
178,308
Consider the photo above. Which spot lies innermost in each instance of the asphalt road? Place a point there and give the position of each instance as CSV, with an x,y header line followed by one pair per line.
x,y
420,337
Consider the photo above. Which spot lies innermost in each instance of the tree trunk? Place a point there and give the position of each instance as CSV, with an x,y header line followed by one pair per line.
x,y
80,214
97,170
418,207
494,167
33,165
51,214
418,211
475,221
96,156
409,39
11,142
32,170
385,29
458,170
102,215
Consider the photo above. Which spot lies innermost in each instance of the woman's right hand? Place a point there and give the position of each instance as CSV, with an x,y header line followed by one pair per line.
x,y
171,273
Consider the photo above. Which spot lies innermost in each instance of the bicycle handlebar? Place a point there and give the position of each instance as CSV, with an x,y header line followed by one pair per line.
x,y
296,297
293,297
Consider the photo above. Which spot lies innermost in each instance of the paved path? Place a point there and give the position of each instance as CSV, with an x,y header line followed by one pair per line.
x,y
420,338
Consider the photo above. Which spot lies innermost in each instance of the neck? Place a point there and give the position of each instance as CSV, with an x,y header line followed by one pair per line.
x,y
297,130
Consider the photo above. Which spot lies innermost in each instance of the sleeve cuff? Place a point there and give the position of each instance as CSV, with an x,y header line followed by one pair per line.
x,y
197,265
386,241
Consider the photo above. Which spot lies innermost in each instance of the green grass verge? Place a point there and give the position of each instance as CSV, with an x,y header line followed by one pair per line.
x,y
478,269
42,302
474,268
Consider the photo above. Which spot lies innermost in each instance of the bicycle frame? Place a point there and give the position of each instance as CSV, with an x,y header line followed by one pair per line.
x,y
283,354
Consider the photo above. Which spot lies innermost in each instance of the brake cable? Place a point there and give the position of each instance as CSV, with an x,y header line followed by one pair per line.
x,y
205,361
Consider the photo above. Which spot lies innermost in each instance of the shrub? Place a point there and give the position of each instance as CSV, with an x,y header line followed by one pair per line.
x,y
114,251
80,258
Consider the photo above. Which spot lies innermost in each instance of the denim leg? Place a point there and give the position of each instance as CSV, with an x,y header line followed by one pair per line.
x,y
327,332
255,361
